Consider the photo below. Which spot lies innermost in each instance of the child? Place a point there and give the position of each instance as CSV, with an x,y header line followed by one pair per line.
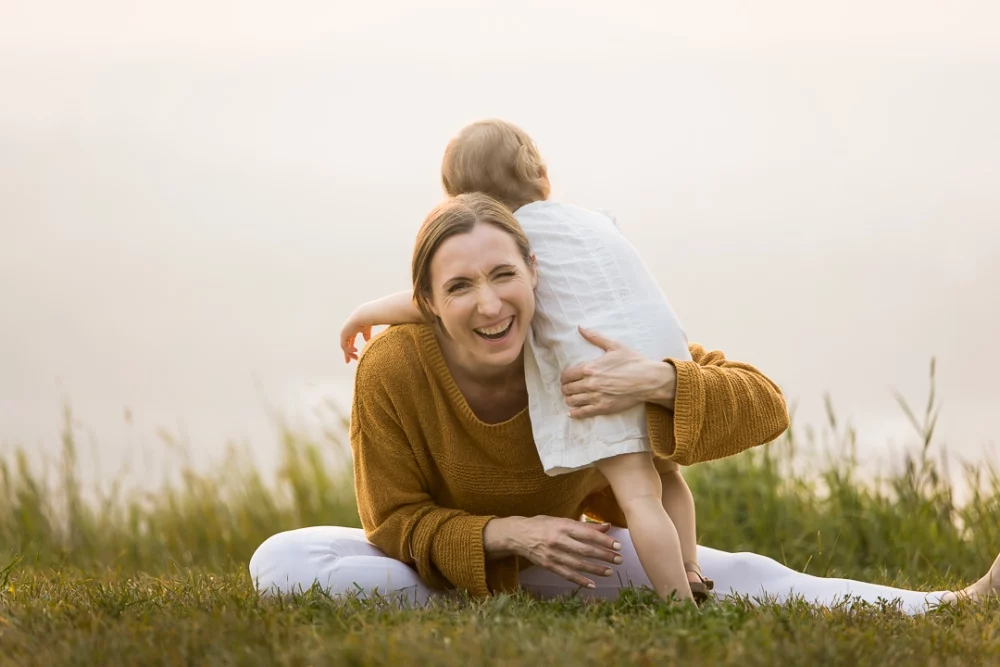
x,y
588,275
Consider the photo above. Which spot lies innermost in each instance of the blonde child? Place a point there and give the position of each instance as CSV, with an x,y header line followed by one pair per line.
x,y
588,276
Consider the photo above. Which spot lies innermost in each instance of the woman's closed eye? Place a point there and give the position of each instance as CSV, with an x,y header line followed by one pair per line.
x,y
504,271
458,285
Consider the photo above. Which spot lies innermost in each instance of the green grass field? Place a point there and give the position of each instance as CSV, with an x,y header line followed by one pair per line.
x,y
160,577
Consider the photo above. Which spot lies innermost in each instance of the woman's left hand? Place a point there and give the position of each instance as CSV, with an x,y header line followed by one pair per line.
x,y
617,380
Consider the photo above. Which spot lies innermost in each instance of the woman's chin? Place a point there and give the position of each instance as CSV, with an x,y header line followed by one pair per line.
x,y
501,353
501,357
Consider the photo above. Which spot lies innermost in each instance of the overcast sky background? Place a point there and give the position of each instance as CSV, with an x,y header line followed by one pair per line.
x,y
194,195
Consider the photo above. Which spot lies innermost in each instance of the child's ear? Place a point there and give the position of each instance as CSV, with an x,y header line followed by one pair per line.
x,y
546,184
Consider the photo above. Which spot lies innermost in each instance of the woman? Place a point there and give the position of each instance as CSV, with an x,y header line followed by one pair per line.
x,y
450,489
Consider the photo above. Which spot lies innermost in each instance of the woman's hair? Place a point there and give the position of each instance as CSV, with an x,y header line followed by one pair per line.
x,y
458,215
498,158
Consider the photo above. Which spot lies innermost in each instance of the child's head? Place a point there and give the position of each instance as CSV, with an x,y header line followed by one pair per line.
x,y
498,159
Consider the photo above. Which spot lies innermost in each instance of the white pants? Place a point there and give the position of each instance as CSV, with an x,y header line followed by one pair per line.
x,y
341,560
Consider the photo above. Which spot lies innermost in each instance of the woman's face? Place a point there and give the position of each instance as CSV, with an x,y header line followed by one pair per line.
x,y
483,292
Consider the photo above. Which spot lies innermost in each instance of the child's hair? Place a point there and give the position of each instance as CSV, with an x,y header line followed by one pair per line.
x,y
496,158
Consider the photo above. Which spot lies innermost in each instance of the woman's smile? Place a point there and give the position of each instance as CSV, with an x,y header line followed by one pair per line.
x,y
498,332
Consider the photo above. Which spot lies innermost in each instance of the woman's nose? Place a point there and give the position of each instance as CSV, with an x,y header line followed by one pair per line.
x,y
489,302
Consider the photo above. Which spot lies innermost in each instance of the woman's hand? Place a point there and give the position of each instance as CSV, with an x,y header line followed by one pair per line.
x,y
564,546
617,380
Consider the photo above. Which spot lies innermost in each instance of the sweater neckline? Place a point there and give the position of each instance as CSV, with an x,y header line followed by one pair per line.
x,y
436,360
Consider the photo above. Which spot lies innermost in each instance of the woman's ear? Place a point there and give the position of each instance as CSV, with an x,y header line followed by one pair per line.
x,y
430,304
533,268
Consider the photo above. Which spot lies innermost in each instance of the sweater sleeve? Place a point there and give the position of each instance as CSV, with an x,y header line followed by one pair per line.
x,y
397,512
721,408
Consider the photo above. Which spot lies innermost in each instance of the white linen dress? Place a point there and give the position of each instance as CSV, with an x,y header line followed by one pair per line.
x,y
588,275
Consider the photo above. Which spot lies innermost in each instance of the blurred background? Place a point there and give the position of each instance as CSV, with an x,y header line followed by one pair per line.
x,y
194,195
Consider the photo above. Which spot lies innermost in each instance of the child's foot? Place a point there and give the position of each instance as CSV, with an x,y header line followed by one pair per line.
x,y
700,586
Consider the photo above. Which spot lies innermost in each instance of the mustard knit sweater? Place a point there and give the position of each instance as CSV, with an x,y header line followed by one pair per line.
x,y
429,474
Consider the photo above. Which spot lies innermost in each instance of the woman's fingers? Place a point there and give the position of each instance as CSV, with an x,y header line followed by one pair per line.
x,y
576,388
597,339
568,560
572,549
580,371
595,534
580,400
594,553
571,576
590,411
573,374
590,544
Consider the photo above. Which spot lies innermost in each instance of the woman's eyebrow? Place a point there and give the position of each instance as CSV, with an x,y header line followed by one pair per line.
x,y
503,267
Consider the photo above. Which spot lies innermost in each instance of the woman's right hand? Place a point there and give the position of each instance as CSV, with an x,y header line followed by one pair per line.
x,y
563,546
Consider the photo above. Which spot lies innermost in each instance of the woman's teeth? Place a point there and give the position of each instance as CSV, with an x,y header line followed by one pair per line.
x,y
497,332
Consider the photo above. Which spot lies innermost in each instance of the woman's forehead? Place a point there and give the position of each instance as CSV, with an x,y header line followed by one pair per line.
x,y
479,250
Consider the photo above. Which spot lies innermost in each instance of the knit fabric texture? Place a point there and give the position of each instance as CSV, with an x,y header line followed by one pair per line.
x,y
429,475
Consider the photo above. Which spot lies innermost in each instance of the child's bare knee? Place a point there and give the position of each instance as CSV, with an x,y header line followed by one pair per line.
x,y
639,499
672,475
666,466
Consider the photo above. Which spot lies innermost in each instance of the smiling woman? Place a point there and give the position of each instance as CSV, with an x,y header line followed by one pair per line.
x,y
477,281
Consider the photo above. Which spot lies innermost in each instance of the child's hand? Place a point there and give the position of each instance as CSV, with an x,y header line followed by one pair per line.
x,y
355,325
395,308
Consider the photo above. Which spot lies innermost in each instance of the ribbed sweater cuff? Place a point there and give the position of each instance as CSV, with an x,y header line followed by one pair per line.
x,y
456,546
688,405
685,419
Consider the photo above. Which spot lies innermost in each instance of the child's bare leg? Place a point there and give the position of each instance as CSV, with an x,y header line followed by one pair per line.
x,y
637,487
679,504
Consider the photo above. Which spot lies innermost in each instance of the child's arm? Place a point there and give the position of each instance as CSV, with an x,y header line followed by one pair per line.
x,y
396,308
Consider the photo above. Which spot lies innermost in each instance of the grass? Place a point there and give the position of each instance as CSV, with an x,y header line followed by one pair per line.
x,y
160,577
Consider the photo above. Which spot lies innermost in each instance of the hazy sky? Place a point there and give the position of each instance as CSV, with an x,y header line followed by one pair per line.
x,y
194,195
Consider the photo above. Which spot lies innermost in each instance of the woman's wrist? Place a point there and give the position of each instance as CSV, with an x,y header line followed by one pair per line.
x,y
498,537
664,388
